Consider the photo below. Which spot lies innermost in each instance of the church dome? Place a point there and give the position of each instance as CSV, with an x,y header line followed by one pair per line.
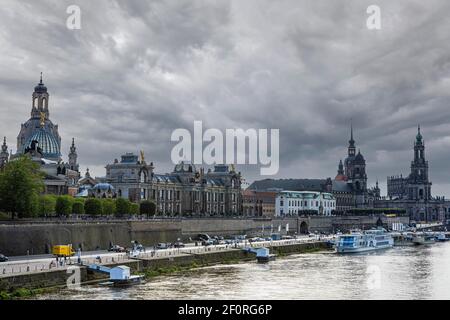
x,y
103,187
359,157
40,88
341,177
46,142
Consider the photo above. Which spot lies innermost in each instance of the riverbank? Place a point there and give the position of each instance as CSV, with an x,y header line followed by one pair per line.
x,y
22,286
34,237
405,273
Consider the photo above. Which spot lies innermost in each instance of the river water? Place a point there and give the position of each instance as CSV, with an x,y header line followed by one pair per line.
x,y
397,273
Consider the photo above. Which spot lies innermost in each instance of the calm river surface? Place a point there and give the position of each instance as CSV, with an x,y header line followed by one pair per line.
x,y
404,273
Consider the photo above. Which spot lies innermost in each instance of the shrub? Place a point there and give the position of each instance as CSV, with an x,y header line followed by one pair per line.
x,y
109,207
93,207
63,205
122,206
134,209
148,208
78,207
47,205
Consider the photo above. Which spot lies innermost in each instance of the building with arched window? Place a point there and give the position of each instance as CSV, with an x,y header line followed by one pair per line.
x,y
185,191
413,192
39,139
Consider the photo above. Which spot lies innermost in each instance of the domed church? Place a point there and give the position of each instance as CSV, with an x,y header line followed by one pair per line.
x,y
39,139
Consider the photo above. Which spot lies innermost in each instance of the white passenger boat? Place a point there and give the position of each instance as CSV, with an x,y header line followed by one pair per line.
x,y
369,240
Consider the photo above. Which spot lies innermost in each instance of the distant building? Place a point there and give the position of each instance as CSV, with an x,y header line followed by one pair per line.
x,y
349,187
352,178
39,139
259,203
298,202
413,192
341,191
185,191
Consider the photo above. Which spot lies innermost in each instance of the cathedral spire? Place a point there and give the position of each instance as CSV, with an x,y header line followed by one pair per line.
x,y
340,167
419,135
351,142
351,130
73,156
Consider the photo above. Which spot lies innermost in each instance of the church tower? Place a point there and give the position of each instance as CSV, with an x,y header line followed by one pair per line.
x,y
351,155
4,155
419,187
355,172
40,101
39,129
73,165
340,173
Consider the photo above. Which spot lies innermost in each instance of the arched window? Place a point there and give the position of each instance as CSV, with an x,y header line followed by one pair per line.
x,y
143,177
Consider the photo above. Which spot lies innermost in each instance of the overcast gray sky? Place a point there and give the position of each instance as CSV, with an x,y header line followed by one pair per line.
x,y
137,70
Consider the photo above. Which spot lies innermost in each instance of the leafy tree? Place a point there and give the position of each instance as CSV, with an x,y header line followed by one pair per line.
x,y
109,207
134,209
64,205
20,182
35,206
93,207
122,206
148,207
47,205
78,207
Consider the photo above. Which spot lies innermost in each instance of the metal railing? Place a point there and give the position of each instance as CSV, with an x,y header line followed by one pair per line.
x,y
29,266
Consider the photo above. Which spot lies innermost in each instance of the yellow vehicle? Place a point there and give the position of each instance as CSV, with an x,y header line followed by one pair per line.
x,y
63,250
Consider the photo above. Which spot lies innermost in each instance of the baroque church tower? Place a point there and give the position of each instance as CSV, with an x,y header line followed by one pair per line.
x,y
419,187
39,132
73,165
355,172
355,167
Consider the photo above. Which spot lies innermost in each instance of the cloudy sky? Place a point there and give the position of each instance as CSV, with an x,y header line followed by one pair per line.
x,y
137,70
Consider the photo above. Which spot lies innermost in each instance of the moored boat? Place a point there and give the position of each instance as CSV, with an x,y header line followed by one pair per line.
x,y
369,240
440,237
265,259
423,239
403,239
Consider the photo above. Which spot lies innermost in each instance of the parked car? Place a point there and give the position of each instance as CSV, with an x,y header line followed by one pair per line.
x,y
139,247
162,246
178,244
208,242
203,237
3,258
117,248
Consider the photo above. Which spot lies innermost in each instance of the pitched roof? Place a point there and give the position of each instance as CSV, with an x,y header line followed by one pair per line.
x,y
289,184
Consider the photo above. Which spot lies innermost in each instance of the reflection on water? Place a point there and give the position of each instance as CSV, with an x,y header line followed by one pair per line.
x,y
404,273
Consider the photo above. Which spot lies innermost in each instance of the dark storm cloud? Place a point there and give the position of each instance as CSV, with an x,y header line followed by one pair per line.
x,y
137,70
